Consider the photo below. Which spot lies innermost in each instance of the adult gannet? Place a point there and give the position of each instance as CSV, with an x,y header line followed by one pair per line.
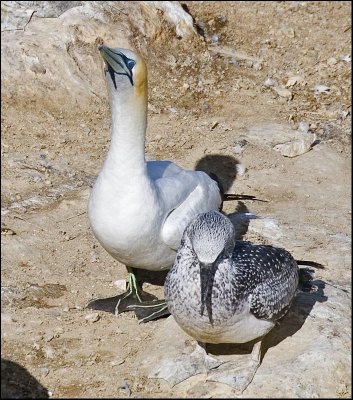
x,y
220,290
139,209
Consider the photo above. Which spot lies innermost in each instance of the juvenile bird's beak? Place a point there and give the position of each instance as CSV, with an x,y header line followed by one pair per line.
x,y
207,273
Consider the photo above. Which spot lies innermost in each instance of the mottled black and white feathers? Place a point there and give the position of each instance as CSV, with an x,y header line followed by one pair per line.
x,y
245,288
269,275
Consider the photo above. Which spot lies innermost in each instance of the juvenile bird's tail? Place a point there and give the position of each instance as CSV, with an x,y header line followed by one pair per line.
x,y
313,264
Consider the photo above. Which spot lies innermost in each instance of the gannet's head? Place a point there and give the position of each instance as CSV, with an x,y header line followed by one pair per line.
x,y
123,70
211,236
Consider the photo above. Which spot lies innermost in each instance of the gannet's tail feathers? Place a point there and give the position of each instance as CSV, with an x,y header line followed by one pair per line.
x,y
231,196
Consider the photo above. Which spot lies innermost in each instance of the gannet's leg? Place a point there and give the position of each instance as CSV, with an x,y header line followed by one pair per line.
x,y
238,374
146,306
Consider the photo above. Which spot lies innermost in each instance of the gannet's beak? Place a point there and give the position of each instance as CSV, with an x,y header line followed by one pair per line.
x,y
116,62
207,273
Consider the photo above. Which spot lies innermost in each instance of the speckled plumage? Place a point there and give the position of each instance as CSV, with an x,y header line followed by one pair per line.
x,y
252,285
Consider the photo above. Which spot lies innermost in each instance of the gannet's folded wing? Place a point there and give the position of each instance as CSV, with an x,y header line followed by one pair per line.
x,y
185,195
161,168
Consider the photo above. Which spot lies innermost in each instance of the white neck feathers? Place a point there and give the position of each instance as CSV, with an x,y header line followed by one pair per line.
x,y
126,155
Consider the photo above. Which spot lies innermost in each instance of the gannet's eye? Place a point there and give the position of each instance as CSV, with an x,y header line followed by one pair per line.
x,y
130,64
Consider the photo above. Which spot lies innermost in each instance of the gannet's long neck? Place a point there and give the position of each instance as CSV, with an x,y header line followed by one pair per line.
x,y
126,155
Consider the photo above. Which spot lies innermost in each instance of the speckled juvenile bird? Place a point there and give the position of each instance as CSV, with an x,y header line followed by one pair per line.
x,y
220,290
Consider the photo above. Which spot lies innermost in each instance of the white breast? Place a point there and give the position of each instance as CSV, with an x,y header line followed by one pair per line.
x,y
242,327
129,229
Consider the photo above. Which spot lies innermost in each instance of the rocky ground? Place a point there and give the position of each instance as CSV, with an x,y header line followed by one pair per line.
x,y
224,92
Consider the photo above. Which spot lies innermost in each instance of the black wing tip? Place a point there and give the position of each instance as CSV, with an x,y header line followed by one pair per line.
x,y
231,196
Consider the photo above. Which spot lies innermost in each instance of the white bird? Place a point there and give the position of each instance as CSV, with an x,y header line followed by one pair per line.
x,y
138,209
220,290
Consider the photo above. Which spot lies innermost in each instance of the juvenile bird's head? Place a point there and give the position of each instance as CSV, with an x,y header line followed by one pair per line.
x,y
212,238
124,70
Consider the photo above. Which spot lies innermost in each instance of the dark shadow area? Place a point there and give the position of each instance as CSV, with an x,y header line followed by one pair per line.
x,y
225,167
300,309
316,142
153,277
18,383
287,326
156,278
200,30
240,218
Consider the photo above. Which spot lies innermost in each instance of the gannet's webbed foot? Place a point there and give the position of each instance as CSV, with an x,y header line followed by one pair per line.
x,y
238,374
122,302
146,306
107,305
149,310
176,369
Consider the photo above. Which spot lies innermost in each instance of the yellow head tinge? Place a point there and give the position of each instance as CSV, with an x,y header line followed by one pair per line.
x,y
140,77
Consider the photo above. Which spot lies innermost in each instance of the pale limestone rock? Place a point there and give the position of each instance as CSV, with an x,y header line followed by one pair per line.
x,y
65,70
306,355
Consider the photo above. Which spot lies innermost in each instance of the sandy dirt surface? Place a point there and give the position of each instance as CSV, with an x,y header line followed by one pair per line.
x,y
211,106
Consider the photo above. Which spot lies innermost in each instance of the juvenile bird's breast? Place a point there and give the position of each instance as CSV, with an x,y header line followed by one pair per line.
x,y
241,328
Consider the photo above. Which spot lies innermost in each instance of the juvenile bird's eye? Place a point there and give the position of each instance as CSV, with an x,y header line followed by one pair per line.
x,y
130,64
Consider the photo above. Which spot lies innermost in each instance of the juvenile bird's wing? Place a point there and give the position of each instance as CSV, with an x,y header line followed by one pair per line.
x,y
270,275
272,297
270,303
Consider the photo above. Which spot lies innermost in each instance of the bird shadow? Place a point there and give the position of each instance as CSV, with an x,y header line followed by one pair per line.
x,y
18,383
299,311
223,166
240,219
223,169
156,278
287,326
